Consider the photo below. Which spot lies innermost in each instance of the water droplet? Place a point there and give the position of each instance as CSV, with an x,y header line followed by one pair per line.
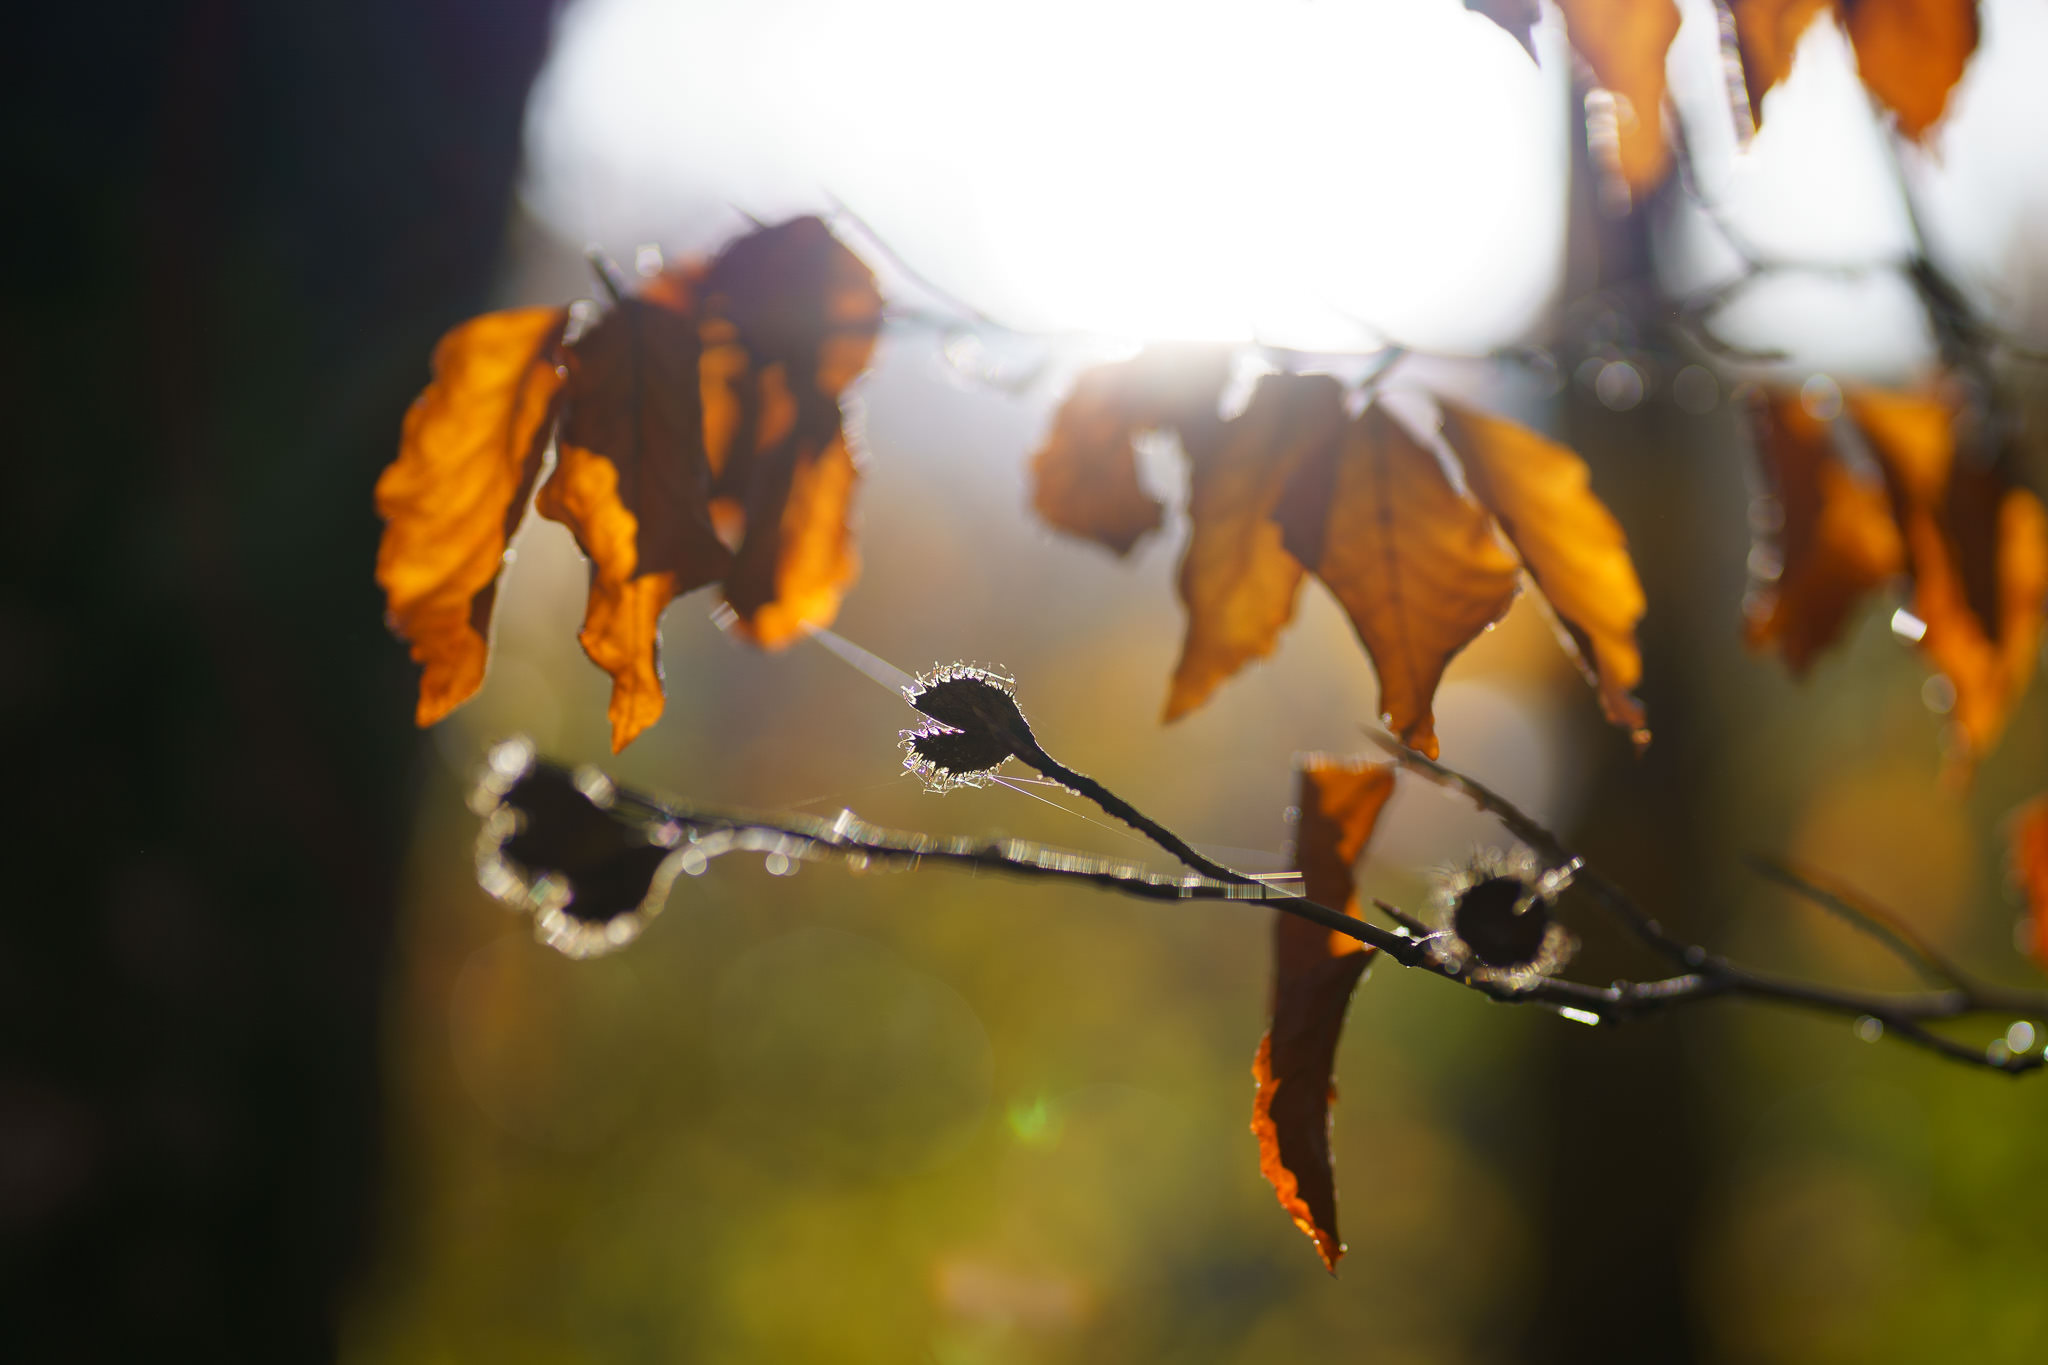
x,y
1907,626
2020,1037
1821,397
1696,390
1619,386
1939,694
778,864
1869,1028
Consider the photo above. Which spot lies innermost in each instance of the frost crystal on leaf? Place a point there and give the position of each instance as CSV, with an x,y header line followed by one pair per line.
x,y
971,724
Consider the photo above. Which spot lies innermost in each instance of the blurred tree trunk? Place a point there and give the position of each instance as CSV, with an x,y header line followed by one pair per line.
x,y
247,223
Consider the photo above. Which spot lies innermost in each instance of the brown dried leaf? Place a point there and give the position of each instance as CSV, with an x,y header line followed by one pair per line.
x,y
2028,841
1985,642
1625,43
1414,562
1910,53
470,451
1314,972
632,483
1837,540
794,319
1084,479
1237,579
1571,544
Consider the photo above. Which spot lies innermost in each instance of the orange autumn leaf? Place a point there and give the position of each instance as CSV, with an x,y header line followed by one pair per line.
x,y
1237,579
1084,478
1977,550
1314,972
699,439
633,484
1625,42
1909,53
471,449
1836,540
1414,562
2027,834
1542,496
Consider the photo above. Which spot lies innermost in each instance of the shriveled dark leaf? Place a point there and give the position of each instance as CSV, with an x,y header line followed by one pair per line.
x,y
1314,972
555,845
633,485
1414,563
466,465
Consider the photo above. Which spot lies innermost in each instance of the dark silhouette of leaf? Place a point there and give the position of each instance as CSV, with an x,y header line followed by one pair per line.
x,y
1571,544
1237,579
1314,972
1836,541
466,465
1415,564
1084,479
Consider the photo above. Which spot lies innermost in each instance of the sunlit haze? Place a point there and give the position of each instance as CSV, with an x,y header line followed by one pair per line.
x,y
1300,173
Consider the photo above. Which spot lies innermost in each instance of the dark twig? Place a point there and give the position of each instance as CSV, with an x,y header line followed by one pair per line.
x,y
698,835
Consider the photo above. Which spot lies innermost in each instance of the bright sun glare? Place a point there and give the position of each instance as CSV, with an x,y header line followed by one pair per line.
x,y
1314,175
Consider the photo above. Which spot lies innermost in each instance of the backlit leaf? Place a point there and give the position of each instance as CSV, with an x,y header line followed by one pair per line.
x,y
1084,479
1625,43
2028,835
471,449
1571,544
802,312
1982,626
1314,972
1415,563
1237,579
1836,541
1909,53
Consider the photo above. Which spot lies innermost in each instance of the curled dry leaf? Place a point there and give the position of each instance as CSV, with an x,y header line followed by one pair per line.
x,y
1414,562
1314,972
471,449
794,317
1836,540
1910,53
699,440
1084,479
1238,580
1571,544
633,485
2028,835
1977,549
